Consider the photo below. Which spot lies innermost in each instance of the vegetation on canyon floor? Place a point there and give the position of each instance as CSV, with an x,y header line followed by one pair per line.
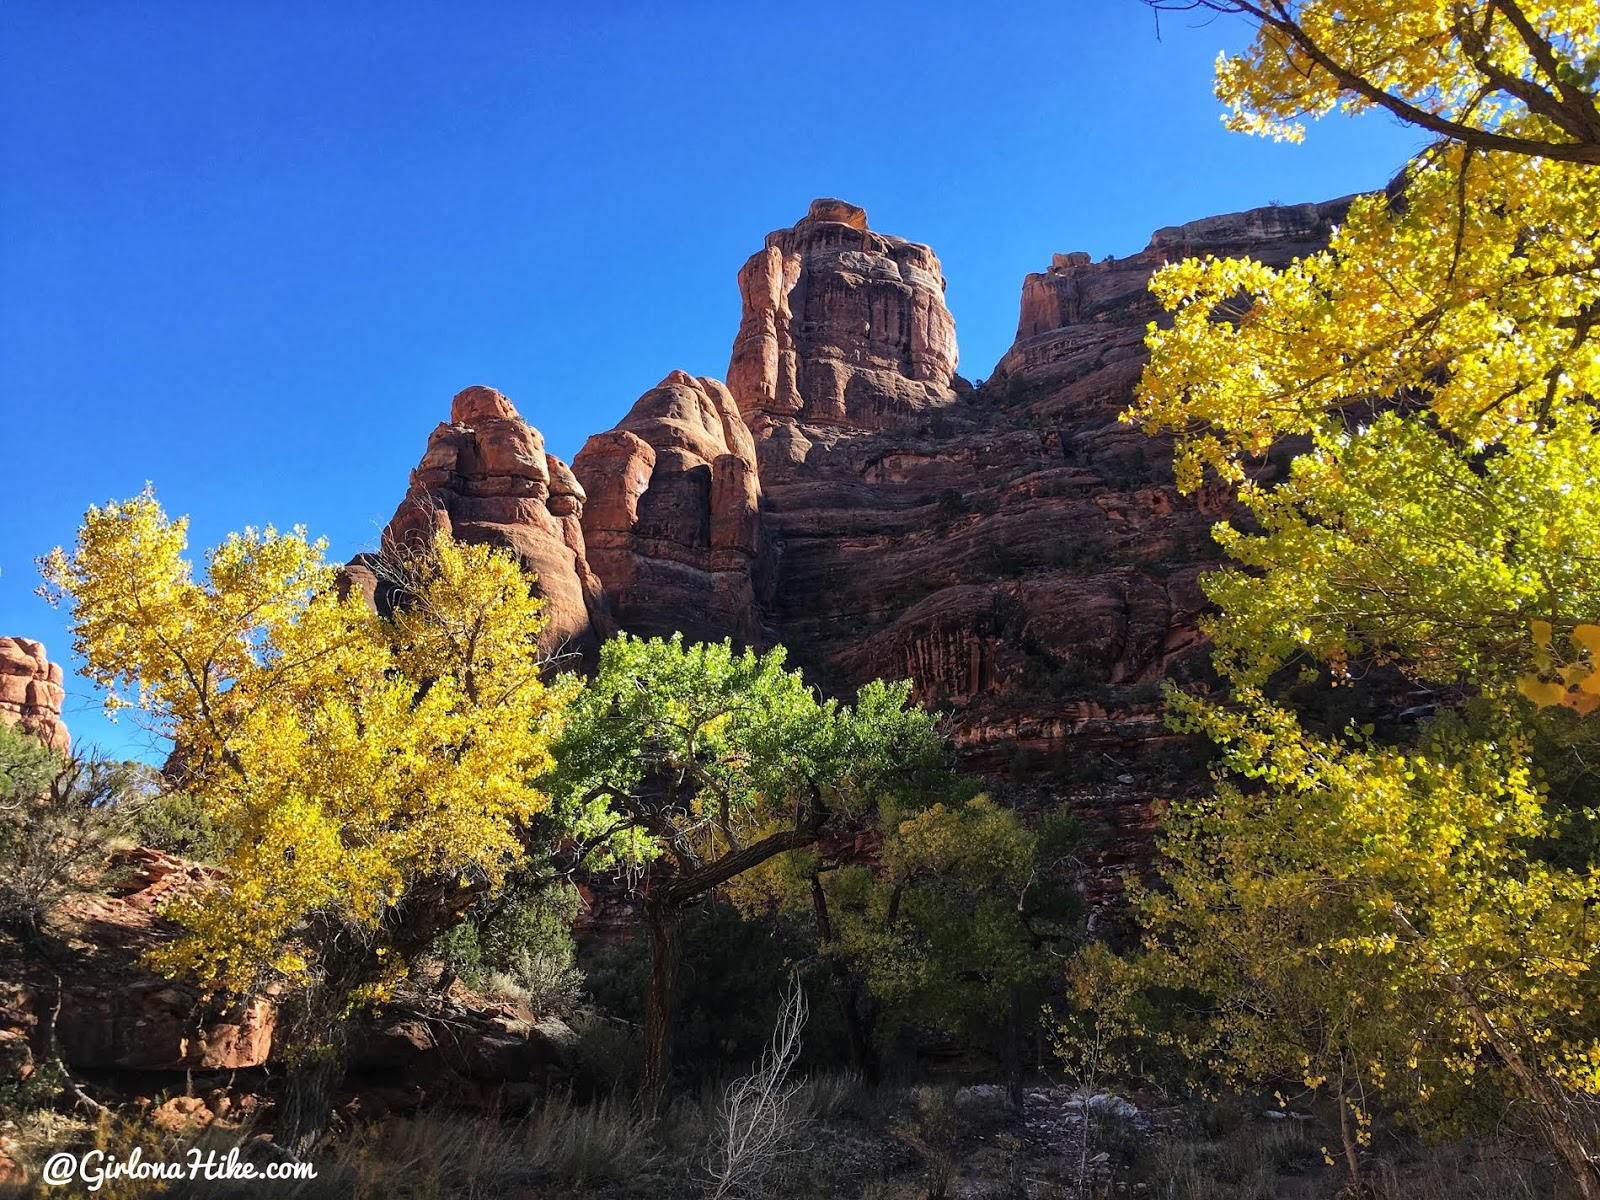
x,y
1383,926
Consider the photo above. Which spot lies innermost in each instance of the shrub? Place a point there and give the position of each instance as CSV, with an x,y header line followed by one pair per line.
x,y
520,941
56,826
178,823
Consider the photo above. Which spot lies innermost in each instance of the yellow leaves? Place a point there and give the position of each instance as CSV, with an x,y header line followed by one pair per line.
x,y
1577,675
976,842
1450,62
1469,296
1341,907
347,760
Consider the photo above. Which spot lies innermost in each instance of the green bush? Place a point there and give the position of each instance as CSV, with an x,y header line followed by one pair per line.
x,y
522,940
177,823
58,818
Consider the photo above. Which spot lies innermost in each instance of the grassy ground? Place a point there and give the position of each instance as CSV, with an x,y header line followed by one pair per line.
x,y
841,1142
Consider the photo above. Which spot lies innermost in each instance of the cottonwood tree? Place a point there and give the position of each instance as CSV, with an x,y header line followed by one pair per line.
x,y
697,763
1407,916
366,777
960,911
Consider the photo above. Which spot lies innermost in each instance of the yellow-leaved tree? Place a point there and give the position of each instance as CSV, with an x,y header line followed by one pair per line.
x,y
368,777
1402,915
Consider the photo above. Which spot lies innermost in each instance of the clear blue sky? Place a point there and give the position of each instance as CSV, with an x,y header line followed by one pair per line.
x,y
248,250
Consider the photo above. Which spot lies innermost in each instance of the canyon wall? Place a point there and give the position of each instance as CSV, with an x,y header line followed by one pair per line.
x,y
1013,549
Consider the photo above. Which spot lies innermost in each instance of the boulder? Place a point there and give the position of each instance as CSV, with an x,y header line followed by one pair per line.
x,y
31,691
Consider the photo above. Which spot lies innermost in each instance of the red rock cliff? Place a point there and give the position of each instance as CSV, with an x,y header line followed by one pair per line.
x,y
485,478
1016,552
842,327
31,691
674,526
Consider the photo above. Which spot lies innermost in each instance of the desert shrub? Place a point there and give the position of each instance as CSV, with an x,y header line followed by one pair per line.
x,y
519,942
930,1125
762,1115
27,766
952,504
608,1056
57,825
178,823
1059,677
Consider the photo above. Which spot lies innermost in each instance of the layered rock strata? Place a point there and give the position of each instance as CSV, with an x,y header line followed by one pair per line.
x,y
1080,316
1015,551
842,327
32,691
674,527
485,478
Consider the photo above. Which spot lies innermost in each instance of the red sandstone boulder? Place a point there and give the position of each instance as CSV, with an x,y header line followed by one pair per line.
x,y
31,691
107,1011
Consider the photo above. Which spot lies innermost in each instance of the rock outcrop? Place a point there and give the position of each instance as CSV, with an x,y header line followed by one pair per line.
x,y
1014,550
842,327
31,691
485,478
1080,317
674,524
109,1012
116,1023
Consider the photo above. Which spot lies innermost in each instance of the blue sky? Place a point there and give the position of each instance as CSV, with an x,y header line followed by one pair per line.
x,y
249,250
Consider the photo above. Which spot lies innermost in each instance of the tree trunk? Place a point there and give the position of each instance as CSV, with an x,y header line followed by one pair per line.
x,y
1574,1154
308,1087
665,948
846,989
1352,1158
1551,1105
1013,1047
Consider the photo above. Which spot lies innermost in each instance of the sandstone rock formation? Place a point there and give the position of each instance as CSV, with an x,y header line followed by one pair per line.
x,y
109,1012
674,527
485,478
841,327
1015,551
31,691
1082,316
112,1020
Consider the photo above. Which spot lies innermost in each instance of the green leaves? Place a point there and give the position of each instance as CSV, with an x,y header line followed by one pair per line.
x,y
695,749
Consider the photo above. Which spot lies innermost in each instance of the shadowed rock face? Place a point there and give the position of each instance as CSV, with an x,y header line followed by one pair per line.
x,y
485,478
674,529
31,691
842,327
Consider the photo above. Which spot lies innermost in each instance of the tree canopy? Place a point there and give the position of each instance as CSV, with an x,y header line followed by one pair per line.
x,y
1399,914
697,763
366,776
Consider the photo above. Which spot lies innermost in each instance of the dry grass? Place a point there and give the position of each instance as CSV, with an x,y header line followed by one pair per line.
x,y
894,1144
